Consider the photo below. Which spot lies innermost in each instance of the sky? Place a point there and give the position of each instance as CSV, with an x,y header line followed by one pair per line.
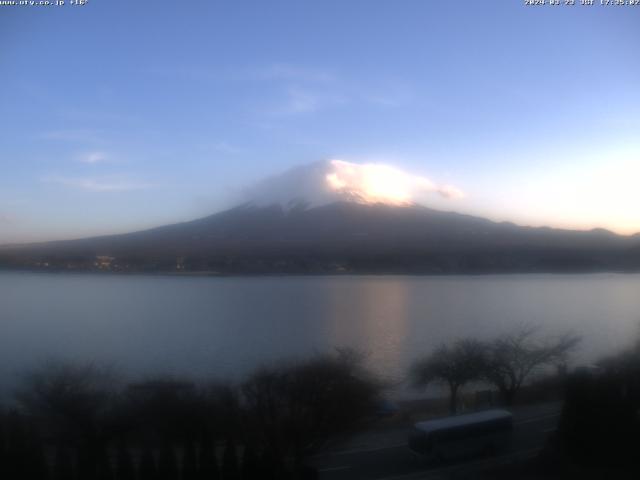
x,y
121,115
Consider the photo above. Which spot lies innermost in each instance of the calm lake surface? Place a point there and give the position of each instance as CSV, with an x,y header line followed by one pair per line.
x,y
224,327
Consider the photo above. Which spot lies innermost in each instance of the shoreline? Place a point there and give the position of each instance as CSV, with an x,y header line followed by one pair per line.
x,y
216,274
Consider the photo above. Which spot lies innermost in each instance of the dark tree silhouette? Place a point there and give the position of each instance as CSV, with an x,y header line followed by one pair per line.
x,y
207,462
98,431
271,464
3,444
250,463
35,466
296,409
63,464
125,469
189,462
71,401
513,357
23,452
164,408
105,469
599,425
230,461
148,469
167,463
454,366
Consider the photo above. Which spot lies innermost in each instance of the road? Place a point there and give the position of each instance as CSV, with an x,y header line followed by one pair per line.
x,y
384,455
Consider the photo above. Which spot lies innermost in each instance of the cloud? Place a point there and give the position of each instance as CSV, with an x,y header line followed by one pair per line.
x,y
304,100
392,96
311,99
190,73
338,180
101,184
309,90
380,183
300,101
295,73
277,72
294,89
73,135
93,157
224,147
449,191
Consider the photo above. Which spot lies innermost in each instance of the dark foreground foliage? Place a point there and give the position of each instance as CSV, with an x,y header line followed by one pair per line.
x,y
600,423
598,435
75,423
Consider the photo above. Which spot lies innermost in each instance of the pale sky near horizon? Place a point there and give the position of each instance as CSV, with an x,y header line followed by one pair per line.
x,y
123,115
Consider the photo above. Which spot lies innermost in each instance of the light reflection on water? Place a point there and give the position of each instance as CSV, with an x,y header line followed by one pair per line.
x,y
225,327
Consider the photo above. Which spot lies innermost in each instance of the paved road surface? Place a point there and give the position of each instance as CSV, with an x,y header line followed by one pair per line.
x,y
384,455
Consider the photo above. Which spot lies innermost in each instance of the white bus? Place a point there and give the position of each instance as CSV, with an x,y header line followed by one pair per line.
x,y
462,435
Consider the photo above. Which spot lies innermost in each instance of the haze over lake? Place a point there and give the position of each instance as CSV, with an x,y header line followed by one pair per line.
x,y
225,327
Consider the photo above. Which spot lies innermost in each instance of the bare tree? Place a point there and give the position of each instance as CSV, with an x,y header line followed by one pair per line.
x,y
513,357
454,366
72,403
296,408
72,399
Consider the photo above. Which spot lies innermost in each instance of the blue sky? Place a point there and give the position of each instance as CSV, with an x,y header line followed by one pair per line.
x,y
122,115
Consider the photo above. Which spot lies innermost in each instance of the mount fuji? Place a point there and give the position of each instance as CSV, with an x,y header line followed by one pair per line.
x,y
339,217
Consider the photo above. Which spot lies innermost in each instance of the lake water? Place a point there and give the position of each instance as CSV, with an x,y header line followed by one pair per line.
x,y
224,327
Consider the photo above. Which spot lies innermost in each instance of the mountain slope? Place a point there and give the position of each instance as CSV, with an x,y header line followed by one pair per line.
x,y
338,237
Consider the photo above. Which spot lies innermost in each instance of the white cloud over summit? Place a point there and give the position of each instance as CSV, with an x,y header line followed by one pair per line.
x,y
338,180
